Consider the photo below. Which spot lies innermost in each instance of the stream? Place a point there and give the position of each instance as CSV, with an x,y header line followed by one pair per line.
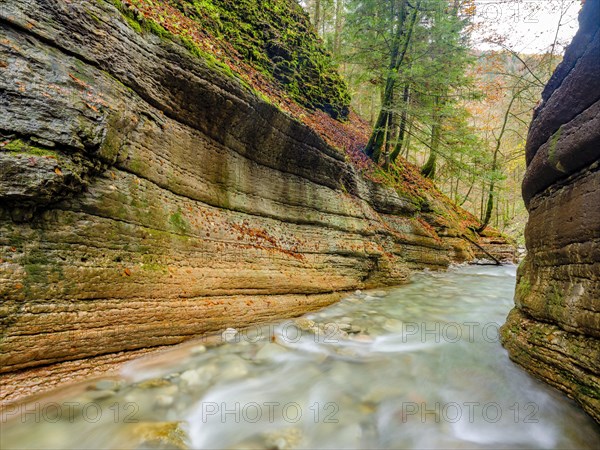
x,y
416,366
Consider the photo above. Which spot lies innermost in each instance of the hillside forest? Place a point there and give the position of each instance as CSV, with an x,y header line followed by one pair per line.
x,y
443,90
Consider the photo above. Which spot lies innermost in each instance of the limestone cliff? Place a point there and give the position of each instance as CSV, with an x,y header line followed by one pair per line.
x,y
554,331
149,193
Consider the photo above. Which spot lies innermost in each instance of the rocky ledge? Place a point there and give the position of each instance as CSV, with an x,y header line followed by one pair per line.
x,y
148,196
554,331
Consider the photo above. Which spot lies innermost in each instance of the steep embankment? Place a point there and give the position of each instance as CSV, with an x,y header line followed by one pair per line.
x,y
554,331
149,193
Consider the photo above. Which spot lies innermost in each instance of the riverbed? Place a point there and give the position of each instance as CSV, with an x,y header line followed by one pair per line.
x,y
417,366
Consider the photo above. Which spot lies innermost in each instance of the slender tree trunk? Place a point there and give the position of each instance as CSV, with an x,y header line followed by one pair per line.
x,y
403,118
408,139
399,48
317,14
482,201
469,191
428,169
491,194
337,37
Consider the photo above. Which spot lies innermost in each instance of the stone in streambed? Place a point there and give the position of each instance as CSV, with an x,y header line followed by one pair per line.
x,y
158,435
198,350
198,377
229,335
377,294
107,385
235,368
304,324
164,401
270,351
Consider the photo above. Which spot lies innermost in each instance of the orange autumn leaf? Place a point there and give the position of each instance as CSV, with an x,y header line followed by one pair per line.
x,y
57,171
92,107
127,272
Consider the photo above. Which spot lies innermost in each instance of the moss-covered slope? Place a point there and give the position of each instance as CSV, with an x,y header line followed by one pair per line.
x,y
270,43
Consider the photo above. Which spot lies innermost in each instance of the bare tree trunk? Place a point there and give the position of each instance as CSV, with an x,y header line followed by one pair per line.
x,y
490,202
469,192
428,169
337,37
403,120
317,14
399,48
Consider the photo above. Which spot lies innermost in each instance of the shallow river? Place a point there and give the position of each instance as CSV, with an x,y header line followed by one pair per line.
x,y
419,366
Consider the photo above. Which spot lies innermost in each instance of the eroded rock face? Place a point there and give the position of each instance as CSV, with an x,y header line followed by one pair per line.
x,y
554,331
146,197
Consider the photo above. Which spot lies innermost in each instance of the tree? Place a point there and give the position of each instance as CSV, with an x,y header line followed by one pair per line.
x,y
404,25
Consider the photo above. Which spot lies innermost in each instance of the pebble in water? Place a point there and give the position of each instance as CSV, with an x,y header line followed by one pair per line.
x,y
229,335
164,401
304,324
271,351
198,349
107,385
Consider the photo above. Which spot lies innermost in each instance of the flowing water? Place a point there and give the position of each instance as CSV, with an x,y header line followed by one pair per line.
x,y
418,366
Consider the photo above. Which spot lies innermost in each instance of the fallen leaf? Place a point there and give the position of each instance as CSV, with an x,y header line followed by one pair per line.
x,y
127,272
92,107
19,286
57,171
13,249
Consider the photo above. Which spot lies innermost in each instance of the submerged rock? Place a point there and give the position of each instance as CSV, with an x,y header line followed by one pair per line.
x,y
304,324
107,385
271,351
159,435
164,401
284,440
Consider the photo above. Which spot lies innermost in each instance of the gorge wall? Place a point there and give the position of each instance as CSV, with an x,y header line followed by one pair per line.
x,y
148,196
554,331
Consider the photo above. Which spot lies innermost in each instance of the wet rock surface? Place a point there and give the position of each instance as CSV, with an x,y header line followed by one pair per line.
x,y
554,331
146,197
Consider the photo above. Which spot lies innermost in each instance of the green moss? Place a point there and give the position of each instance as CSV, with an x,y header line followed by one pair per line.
x,y
19,146
15,240
155,267
274,37
93,16
134,24
552,150
178,222
588,391
556,297
524,287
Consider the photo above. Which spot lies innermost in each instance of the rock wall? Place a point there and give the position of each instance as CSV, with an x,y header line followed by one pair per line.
x,y
554,331
147,196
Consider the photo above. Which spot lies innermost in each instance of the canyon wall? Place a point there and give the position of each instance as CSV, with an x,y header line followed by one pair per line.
x,y
148,196
554,331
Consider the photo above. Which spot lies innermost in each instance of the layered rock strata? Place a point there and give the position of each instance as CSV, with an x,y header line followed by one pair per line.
x,y
554,331
147,197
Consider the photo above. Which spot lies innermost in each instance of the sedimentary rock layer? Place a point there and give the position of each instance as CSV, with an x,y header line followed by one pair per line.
x,y
148,197
554,331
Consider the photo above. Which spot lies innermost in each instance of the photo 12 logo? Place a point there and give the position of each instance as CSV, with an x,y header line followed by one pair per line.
x,y
516,11
472,412
253,412
71,412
